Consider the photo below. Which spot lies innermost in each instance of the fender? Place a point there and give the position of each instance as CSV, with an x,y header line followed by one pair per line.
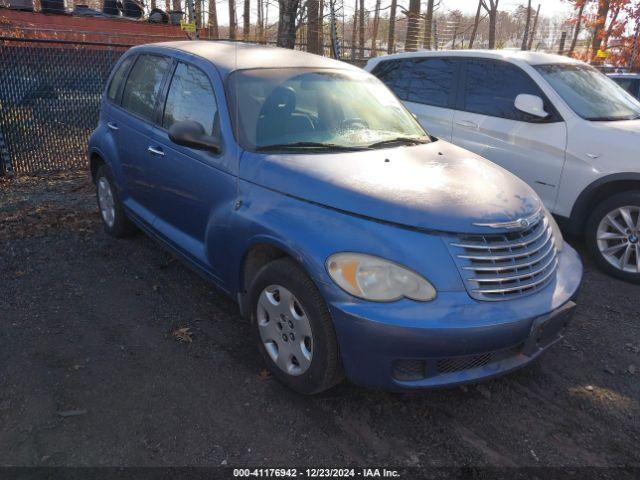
x,y
104,146
581,207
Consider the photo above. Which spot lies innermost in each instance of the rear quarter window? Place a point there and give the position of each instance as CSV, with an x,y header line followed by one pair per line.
x,y
118,78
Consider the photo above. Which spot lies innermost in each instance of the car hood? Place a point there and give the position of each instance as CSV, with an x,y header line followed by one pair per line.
x,y
436,186
631,127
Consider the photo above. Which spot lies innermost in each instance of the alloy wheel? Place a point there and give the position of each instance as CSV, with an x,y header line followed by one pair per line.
x,y
285,330
618,238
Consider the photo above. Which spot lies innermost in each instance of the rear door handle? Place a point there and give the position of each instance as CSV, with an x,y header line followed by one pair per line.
x,y
112,126
156,151
467,123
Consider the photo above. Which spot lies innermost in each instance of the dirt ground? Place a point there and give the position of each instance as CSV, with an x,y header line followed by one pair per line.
x,y
92,375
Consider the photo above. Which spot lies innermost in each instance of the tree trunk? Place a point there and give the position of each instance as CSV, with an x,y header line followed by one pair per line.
x,y
525,37
601,18
260,20
232,19
246,20
492,10
392,27
321,28
614,19
354,32
312,26
213,20
376,25
476,23
198,14
287,23
167,5
532,36
413,26
176,6
428,24
361,30
576,30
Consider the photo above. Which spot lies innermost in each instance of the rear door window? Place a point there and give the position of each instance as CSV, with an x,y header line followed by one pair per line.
x,y
432,81
118,78
143,85
491,88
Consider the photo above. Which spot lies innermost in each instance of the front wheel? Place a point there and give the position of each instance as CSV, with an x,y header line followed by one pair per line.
x,y
613,236
294,329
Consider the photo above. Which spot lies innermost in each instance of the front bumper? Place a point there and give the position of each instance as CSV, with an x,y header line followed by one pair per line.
x,y
454,339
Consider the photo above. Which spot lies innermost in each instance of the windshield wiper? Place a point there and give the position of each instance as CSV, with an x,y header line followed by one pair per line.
x,y
306,146
399,141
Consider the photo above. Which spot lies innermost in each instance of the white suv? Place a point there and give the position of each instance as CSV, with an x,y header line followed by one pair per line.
x,y
569,131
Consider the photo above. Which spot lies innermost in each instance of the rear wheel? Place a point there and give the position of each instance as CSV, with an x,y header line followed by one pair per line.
x,y
613,235
111,210
294,329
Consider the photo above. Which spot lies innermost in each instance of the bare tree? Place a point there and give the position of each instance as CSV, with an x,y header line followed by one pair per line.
x,y
354,31
492,10
198,13
176,6
213,20
361,29
287,23
612,24
525,37
321,27
534,28
476,22
576,30
392,27
428,25
232,19
260,20
413,26
376,26
246,20
312,26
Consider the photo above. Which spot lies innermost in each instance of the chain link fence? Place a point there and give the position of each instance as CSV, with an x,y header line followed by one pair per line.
x,y
49,101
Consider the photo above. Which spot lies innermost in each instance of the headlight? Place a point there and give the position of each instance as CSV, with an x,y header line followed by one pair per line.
x,y
373,278
555,230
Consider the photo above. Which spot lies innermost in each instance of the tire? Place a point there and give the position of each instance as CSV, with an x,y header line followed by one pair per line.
x,y
296,311
612,236
114,219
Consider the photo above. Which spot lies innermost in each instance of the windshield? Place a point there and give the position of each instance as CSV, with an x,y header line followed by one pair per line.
x,y
590,94
296,108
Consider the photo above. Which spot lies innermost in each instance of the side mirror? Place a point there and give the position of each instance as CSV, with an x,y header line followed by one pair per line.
x,y
531,104
191,134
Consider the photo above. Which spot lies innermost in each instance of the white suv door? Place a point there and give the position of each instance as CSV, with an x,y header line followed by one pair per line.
x,y
425,85
487,122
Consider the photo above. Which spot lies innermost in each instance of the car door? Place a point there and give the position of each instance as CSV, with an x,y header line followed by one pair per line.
x,y
425,87
133,123
487,123
195,189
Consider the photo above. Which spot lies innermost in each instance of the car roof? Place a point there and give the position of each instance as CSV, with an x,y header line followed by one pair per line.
x,y
230,56
514,56
624,75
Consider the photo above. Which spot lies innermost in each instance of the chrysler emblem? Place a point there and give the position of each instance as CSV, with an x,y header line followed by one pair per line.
x,y
524,223
520,223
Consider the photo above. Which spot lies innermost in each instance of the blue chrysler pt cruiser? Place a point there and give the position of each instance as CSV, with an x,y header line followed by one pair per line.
x,y
357,244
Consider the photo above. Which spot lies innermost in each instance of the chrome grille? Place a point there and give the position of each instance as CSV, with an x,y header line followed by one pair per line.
x,y
506,265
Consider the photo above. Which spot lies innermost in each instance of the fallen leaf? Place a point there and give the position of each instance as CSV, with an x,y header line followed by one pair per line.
x,y
183,335
264,375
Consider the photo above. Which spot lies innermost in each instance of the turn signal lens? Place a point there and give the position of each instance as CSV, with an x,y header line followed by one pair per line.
x,y
373,278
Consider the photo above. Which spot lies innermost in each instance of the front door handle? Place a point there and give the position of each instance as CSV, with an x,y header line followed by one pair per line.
x,y
112,126
156,151
467,123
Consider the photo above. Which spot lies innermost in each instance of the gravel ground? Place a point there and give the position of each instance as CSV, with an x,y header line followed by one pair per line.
x,y
91,373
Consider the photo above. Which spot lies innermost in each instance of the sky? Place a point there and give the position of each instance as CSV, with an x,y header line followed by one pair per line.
x,y
548,8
